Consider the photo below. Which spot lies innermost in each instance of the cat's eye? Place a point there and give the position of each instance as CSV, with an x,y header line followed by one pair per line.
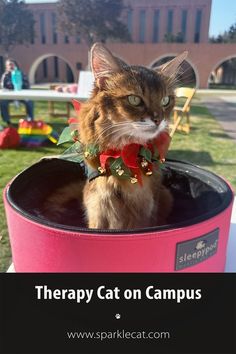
x,y
165,101
134,100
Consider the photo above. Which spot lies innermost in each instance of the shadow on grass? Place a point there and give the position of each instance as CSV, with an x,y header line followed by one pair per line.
x,y
202,158
182,132
220,135
199,110
195,157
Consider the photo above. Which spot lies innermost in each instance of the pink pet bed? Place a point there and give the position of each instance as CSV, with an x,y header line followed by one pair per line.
x,y
194,240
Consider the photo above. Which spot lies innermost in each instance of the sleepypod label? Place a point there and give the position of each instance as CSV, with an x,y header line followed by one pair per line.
x,y
189,253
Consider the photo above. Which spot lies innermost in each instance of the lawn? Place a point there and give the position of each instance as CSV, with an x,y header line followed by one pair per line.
x,y
207,145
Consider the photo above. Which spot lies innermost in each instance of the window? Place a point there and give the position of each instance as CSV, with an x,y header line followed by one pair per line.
x,y
142,26
42,29
79,65
170,21
45,68
198,26
54,28
184,24
69,74
66,39
130,21
156,19
1,66
78,39
56,70
32,37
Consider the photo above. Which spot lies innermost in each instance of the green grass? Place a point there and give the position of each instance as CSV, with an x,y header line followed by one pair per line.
x,y
13,161
207,145
222,87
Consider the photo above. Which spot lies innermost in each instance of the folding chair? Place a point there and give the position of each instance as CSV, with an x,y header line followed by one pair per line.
x,y
180,112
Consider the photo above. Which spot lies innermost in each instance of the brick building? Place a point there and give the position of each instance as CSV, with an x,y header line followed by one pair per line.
x,y
153,21
159,29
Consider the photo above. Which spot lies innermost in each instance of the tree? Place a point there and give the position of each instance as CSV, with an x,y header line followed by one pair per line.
x,y
232,34
218,39
93,20
171,38
16,24
227,37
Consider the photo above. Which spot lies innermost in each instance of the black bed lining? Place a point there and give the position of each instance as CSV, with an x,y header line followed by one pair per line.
x,y
199,194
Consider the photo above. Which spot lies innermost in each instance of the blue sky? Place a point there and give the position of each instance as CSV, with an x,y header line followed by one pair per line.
x,y
223,14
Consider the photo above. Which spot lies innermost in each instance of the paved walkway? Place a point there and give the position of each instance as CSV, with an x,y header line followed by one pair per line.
x,y
222,105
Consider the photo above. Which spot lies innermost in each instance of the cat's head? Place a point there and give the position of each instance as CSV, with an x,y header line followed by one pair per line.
x,y
130,104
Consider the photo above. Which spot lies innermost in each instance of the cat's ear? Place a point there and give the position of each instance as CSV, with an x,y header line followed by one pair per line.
x,y
172,67
122,63
103,62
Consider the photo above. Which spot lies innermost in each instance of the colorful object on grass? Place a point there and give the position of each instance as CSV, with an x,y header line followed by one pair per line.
x,y
9,138
36,133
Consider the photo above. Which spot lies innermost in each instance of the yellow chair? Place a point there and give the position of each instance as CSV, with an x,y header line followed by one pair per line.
x,y
180,112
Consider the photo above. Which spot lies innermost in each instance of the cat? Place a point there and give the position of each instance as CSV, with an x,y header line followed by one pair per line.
x,y
129,109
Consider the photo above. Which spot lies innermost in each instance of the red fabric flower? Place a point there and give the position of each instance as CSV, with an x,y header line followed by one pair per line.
x,y
77,105
104,156
72,120
130,154
162,143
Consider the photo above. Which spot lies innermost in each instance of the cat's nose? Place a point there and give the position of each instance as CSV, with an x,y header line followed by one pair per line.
x,y
155,117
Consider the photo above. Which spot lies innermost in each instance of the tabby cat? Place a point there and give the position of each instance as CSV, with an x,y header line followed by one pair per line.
x,y
128,111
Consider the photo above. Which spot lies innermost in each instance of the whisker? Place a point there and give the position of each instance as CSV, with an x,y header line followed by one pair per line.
x,y
106,133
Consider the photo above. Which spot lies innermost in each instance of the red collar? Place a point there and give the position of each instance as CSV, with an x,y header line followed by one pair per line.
x,y
131,154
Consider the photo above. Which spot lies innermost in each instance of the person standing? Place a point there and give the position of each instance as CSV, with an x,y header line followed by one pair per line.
x,y
7,82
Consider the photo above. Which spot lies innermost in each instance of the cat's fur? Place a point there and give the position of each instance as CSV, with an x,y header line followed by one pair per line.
x,y
110,121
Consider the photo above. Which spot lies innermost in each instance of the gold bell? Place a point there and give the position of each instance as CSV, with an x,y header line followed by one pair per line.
x,y
134,179
101,170
148,173
120,171
144,163
75,134
86,154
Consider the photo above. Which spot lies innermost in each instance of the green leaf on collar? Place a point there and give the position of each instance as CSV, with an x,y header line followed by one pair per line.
x,y
118,169
146,153
92,150
74,153
65,136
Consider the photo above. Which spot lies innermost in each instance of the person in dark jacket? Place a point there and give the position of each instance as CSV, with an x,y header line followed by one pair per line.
x,y
6,83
